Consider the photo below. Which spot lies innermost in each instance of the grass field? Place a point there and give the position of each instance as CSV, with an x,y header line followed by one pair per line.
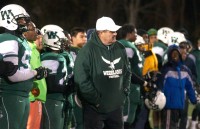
x,y
190,109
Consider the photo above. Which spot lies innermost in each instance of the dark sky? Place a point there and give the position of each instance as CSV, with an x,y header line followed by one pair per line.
x,y
70,13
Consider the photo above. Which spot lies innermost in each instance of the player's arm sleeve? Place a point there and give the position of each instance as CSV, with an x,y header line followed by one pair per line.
x,y
135,79
10,53
190,89
127,77
54,86
22,75
7,68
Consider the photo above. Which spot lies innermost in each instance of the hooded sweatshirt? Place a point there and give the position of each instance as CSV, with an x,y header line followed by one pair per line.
x,y
174,80
102,75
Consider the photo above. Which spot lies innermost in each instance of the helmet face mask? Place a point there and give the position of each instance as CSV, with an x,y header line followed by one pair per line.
x,y
151,104
10,14
31,33
65,43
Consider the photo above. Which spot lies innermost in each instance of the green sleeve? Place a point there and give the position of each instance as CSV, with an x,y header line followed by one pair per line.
x,y
83,78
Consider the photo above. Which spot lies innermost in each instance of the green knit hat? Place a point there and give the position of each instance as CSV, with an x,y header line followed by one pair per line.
x,y
152,31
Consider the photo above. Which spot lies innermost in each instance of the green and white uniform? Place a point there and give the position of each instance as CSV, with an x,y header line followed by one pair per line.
x,y
69,62
196,53
78,112
196,110
14,100
56,90
133,100
69,111
74,52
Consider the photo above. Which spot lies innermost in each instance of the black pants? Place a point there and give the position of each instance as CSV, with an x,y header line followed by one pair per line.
x,y
184,116
170,118
196,112
94,120
142,121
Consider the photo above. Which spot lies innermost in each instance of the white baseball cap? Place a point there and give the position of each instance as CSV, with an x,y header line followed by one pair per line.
x,y
106,23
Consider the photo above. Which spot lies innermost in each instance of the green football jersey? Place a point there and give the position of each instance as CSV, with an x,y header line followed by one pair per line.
x,y
69,62
136,63
159,48
134,56
57,78
16,50
196,53
74,52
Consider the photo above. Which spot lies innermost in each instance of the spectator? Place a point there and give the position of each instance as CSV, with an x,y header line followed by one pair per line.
x,y
174,79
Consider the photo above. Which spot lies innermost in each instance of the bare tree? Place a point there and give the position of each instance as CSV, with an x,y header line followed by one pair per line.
x,y
168,9
182,10
132,8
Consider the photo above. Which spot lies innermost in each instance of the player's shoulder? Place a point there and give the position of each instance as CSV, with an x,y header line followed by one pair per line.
x,y
8,36
52,56
119,45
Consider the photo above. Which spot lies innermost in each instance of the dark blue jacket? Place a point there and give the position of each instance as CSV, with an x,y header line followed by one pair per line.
x,y
175,78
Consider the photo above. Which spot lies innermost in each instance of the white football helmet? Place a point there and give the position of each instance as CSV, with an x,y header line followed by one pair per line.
x,y
176,38
55,40
50,27
163,34
139,40
157,103
9,14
